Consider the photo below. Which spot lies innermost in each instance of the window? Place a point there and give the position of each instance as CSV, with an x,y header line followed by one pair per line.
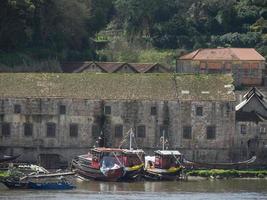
x,y
153,110
95,131
28,129
62,109
51,129
243,129
73,130
187,132
141,131
199,110
17,108
164,128
6,129
262,130
107,110
211,132
118,131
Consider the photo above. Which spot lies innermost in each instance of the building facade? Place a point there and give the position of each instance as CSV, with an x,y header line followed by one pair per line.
x,y
246,64
53,117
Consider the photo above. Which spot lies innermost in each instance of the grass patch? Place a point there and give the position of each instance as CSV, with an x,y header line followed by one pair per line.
x,y
228,173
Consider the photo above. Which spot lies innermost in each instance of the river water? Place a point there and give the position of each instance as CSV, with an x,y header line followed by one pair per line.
x,y
189,190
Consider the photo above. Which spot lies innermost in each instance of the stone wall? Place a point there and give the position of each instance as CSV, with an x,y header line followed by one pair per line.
x,y
155,116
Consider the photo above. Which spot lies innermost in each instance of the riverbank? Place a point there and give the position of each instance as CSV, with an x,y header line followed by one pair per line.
x,y
220,173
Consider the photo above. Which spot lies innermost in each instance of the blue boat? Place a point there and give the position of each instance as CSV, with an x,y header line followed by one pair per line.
x,y
51,186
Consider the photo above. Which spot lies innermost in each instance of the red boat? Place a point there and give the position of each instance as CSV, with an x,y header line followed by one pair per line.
x,y
165,165
100,164
110,164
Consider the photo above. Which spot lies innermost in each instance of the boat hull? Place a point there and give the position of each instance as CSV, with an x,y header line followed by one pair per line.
x,y
161,175
15,184
50,186
87,172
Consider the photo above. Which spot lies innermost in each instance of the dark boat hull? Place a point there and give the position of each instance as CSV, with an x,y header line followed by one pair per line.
x,y
15,184
50,186
8,158
132,175
96,174
155,175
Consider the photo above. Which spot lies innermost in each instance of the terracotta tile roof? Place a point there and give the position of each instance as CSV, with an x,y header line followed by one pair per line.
x,y
224,54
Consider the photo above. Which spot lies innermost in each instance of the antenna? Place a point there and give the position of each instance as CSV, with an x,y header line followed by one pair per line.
x,y
131,135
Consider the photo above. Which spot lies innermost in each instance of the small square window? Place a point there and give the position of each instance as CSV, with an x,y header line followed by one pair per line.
x,y
199,110
153,110
164,129
62,109
95,131
243,129
73,130
262,130
17,108
141,131
28,129
187,132
6,129
107,110
51,129
118,131
211,132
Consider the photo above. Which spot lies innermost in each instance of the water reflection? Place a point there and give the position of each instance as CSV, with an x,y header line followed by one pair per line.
x,y
193,189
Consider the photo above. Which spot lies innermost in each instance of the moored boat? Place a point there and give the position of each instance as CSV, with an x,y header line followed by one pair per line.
x,y
100,164
165,165
62,185
15,184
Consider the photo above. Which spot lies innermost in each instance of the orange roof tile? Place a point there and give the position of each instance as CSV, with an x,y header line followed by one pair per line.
x,y
224,54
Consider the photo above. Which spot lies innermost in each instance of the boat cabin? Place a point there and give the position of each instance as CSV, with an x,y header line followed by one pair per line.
x,y
166,159
133,157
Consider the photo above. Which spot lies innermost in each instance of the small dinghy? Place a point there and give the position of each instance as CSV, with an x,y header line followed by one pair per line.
x,y
63,185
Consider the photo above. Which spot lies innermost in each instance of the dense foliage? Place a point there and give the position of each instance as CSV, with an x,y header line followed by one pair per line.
x,y
49,30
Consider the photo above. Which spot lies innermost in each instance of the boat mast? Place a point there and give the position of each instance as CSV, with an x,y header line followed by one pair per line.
x,y
163,141
131,134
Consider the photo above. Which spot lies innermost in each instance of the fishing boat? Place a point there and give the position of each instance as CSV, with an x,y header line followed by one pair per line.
x,y
100,164
226,165
111,164
164,165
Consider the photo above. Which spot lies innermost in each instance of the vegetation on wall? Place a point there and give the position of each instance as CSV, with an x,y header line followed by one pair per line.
x,y
34,31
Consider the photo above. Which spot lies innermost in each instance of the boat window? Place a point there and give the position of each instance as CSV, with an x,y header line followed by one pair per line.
x,y
73,130
211,132
50,129
141,131
118,131
17,108
28,129
187,132
5,129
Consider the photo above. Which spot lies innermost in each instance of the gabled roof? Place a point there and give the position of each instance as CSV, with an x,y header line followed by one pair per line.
x,y
69,67
145,67
110,66
248,54
249,117
253,93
